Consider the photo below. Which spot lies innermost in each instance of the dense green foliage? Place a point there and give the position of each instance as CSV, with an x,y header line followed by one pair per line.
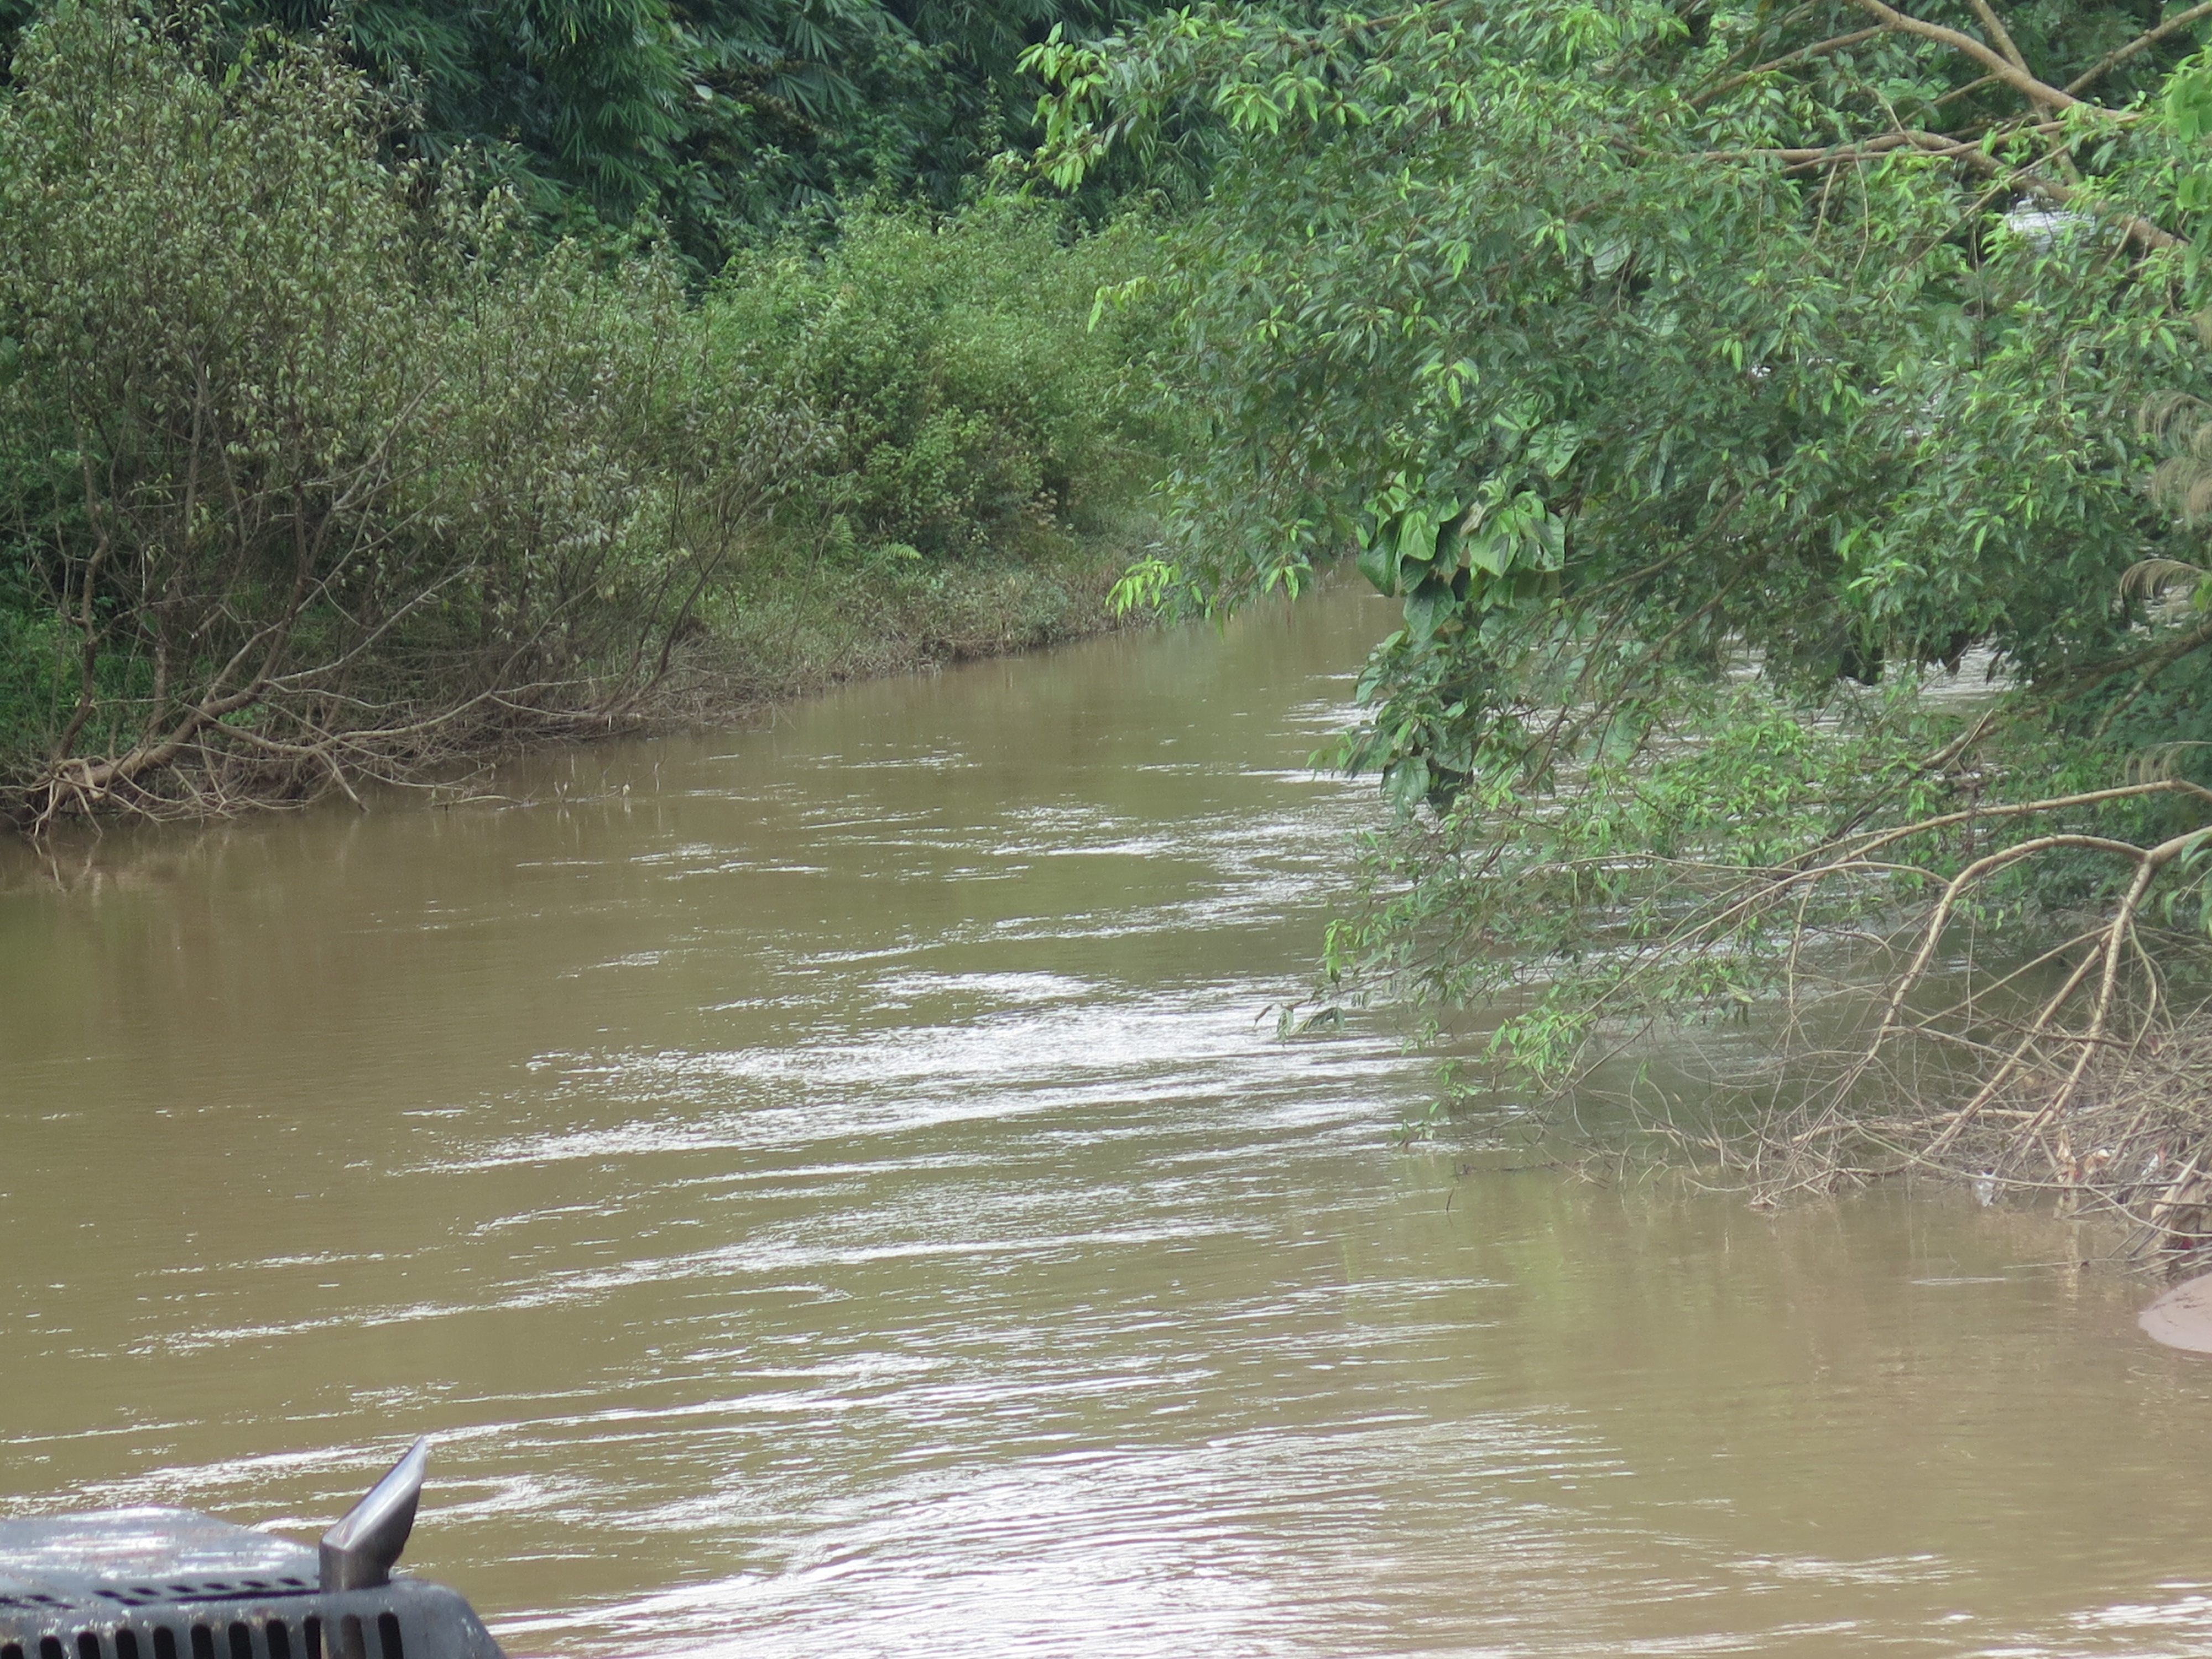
x,y
1689,367
314,467
717,120
969,394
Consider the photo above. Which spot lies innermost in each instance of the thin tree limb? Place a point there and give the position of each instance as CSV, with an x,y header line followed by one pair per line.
x,y
2037,91
2110,60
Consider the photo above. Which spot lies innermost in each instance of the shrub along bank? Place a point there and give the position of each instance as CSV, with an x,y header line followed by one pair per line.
x,y
318,469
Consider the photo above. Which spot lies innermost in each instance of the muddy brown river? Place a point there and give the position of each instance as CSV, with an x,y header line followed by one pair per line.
x,y
832,1190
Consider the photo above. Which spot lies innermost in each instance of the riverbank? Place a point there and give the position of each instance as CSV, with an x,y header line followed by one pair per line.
x,y
773,641
779,639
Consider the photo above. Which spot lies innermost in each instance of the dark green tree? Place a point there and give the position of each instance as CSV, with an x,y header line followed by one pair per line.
x,y
719,118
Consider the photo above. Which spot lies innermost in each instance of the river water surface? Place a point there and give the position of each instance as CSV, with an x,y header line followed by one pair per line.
x,y
832,1190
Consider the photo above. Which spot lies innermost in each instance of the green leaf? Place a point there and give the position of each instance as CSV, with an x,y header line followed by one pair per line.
x,y
1428,606
1379,563
1406,785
